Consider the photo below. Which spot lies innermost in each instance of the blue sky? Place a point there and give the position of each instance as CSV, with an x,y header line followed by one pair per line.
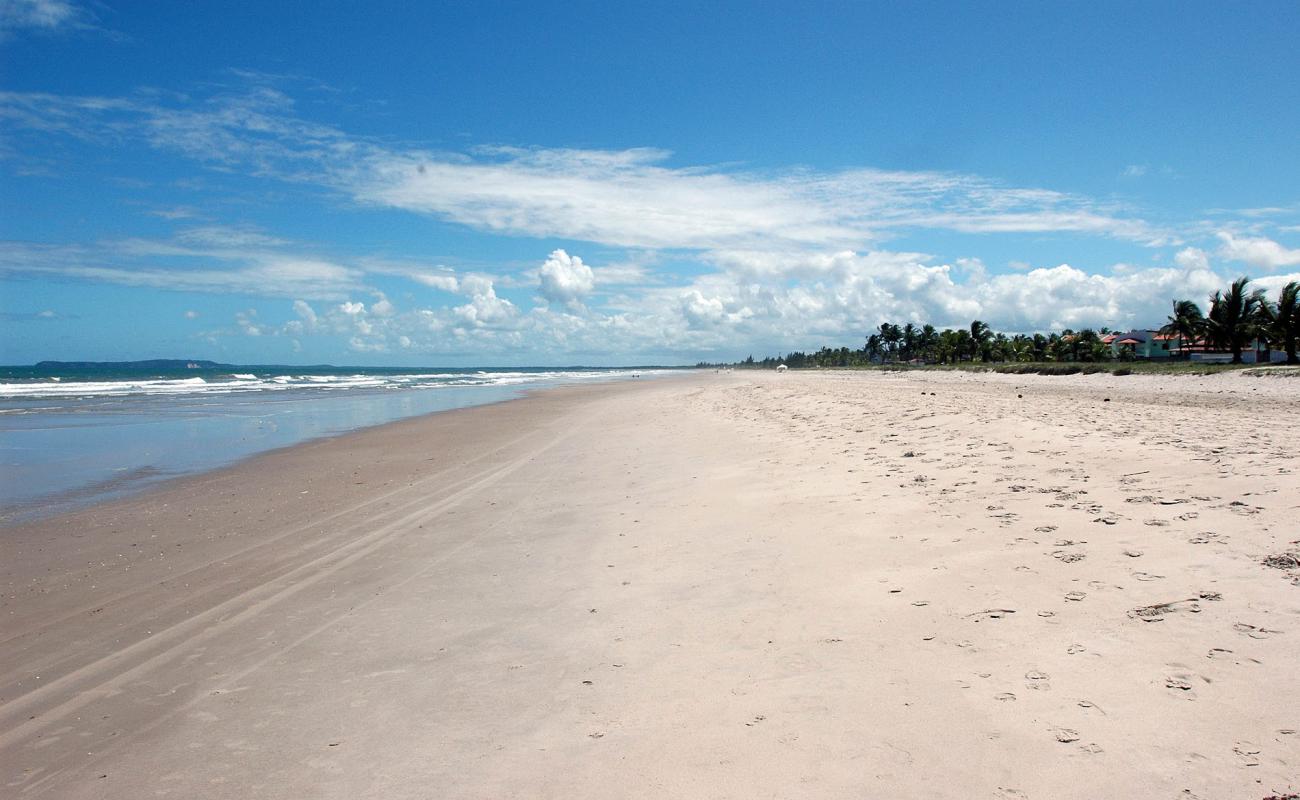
x,y
505,184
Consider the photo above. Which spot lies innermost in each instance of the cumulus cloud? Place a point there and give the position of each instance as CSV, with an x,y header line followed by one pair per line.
x,y
446,283
1192,259
1258,252
565,279
247,323
306,313
484,306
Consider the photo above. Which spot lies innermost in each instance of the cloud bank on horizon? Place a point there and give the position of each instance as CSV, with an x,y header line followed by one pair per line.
x,y
535,254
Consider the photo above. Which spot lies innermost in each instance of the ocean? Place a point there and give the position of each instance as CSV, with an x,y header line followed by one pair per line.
x,y
76,434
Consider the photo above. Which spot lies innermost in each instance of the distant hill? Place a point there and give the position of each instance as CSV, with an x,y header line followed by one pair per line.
x,y
159,364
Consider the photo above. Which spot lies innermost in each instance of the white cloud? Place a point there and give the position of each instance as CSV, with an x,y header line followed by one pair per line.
x,y
773,258
484,307
446,283
626,198
191,314
306,313
1258,252
1192,258
247,323
221,236
180,267
38,14
565,279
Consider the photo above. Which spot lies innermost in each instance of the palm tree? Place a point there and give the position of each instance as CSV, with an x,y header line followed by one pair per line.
x,y
874,347
1085,345
927,340
890,336
1283,319
980,333
910,332
1041,343
1234,317
1187,323
1021,348
945,348
965,345
1058,346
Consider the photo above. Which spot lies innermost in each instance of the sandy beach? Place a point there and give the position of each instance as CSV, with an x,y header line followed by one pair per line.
x,y
723,585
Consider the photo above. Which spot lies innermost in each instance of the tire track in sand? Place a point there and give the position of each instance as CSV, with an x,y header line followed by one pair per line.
x,y
22,717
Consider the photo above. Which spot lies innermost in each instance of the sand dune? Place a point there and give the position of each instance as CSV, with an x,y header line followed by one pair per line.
x,y
739,585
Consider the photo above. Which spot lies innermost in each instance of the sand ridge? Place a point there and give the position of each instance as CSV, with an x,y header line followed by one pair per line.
x,y
724,585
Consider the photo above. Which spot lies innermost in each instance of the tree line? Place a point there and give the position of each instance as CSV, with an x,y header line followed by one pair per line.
x,y
1236,318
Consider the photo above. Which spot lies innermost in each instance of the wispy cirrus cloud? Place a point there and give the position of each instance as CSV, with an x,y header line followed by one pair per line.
x,y
178,265
631,198
42,15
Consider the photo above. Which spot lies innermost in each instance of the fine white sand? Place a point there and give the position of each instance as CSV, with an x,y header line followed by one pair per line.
x,y
740,585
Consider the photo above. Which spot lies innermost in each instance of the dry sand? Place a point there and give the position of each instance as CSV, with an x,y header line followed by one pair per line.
x,y
746,585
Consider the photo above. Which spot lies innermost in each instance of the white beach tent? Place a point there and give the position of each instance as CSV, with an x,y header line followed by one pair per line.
x,y
781,367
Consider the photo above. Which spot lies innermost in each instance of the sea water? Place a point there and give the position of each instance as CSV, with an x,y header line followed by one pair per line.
x,y
70,439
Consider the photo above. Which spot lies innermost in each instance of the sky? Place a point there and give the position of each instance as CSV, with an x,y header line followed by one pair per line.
x,y
496,184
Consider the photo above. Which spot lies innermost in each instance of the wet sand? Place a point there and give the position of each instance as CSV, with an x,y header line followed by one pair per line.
x,y
723,585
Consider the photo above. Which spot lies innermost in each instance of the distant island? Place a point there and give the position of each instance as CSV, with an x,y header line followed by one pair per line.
x,y
167,364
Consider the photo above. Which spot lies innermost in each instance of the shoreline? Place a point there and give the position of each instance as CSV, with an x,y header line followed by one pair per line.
x,y
813,584
145,473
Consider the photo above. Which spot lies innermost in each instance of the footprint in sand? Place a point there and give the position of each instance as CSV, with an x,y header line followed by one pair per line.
x,y
1179,682
1247,753
1065,735
1004,697
1075,596
1252,631
1157,611
1037,680
1066,557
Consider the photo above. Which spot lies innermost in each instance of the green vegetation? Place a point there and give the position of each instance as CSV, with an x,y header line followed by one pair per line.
x,y
1235,320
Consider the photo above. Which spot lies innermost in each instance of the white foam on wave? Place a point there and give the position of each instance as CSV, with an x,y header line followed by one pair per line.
x,y
245,382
